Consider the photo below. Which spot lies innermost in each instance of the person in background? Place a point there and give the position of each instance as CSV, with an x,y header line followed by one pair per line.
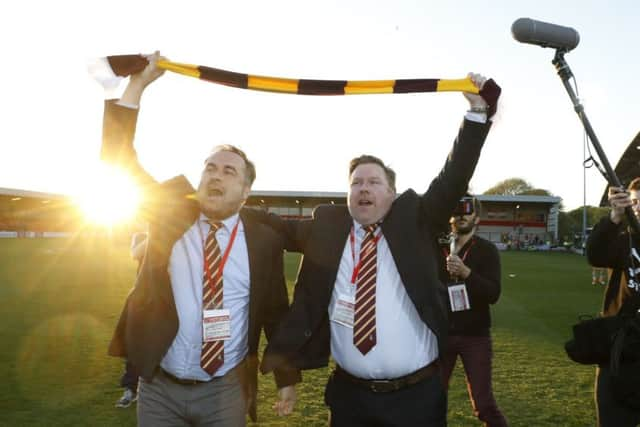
x,y
472,273
611,245
598,276
129,379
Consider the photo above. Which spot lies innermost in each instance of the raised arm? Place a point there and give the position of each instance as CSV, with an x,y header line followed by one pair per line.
x,y
294,232
451,183
119,123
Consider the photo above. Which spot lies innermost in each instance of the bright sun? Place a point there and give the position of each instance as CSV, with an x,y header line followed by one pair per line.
x,y
108,196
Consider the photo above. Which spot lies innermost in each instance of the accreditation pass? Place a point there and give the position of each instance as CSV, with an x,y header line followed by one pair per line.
x,y
458,297
216,325
343,310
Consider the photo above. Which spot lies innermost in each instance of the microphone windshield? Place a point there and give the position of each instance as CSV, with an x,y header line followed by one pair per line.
x,y
544,34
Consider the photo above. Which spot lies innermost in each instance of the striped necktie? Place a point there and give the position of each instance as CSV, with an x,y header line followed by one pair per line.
x,y
364,323
212,355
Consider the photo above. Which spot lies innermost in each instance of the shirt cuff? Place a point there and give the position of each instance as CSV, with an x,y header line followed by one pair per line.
x,y
128,105
100,70
476,117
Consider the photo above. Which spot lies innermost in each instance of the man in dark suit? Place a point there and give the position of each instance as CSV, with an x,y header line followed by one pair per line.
x,y
211,280
368,290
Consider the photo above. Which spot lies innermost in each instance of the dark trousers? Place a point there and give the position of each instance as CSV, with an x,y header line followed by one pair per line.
x,y
610,412
476,354
420,404
129,378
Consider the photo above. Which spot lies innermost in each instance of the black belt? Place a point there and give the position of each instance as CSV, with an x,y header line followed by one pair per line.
x,y
239,367
180,381
385,386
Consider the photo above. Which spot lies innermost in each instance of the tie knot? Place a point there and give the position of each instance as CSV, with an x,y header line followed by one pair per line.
x,y
371,228
215,225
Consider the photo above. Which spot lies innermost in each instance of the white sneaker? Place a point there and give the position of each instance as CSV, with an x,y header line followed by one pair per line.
x,y
128,397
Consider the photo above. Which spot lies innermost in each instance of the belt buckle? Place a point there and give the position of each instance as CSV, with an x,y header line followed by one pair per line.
x,y
181,381
379,386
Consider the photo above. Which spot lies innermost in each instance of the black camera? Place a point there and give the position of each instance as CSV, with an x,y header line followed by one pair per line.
x,y
464,207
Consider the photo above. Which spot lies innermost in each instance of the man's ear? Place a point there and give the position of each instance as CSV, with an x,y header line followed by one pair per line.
x,y
245,192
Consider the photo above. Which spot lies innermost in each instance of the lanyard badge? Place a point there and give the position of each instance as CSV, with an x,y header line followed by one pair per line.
x,y
458,295
216,325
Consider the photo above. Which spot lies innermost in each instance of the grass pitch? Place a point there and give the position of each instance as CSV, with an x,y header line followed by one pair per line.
x,y
60,300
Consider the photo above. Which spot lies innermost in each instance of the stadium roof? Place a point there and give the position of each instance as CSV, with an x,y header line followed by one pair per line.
x,y
305,195
627,169
12,192
518,199
301,194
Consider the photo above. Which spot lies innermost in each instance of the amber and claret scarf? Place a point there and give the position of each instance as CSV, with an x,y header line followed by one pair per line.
x,y
125,65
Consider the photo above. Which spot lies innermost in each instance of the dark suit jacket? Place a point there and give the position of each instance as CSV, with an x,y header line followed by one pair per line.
x,y
609,246
410,229
149,320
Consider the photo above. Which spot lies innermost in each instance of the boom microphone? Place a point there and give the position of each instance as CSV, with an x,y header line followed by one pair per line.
x,y
526,30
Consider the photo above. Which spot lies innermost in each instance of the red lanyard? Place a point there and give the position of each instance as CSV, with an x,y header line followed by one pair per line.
x,y
223,261
352,240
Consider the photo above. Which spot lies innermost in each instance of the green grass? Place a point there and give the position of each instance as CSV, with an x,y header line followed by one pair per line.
x,y
60,300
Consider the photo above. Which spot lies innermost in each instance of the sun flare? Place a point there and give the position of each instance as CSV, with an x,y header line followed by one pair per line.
x,y
108,197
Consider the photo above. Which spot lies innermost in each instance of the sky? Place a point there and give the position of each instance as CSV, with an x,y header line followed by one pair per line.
x,y
51,109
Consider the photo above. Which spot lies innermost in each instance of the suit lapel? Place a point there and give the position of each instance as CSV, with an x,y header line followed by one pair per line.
x,y
174,213
334,237
343,227
400,231
254,236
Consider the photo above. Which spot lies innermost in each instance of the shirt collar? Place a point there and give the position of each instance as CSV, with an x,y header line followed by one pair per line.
x,y
227,223
361,232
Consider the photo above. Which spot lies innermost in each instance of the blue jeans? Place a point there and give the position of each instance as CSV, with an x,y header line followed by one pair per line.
x,y
129,378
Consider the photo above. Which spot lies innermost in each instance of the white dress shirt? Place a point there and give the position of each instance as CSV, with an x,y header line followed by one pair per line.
x,y
404,343
186,270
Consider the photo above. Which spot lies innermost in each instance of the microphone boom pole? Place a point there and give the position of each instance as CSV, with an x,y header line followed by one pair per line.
x,y
563,40
565,74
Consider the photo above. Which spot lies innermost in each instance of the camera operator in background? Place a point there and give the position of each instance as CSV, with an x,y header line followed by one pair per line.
x,y
611,245
472,273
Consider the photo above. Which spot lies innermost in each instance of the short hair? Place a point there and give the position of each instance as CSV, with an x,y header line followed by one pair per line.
x,y
366,159
634,185
250,168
